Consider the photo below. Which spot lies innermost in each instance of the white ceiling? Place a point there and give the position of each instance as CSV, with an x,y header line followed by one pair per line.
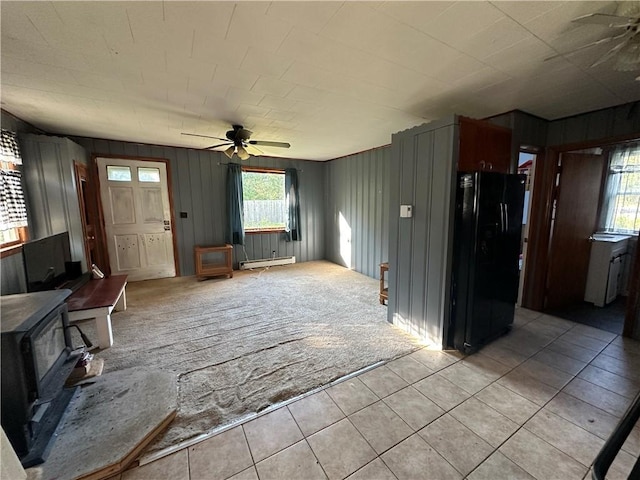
x,y
331,78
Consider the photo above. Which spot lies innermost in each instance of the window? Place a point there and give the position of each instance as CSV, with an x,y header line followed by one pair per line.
x,y
263,196
149,174
13,212
622,203
117,173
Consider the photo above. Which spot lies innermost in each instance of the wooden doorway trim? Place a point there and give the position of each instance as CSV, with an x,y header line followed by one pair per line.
x,y
540,229
542,203
101,236
84,193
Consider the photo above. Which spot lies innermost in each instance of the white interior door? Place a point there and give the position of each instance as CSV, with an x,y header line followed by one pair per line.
x,y
137,217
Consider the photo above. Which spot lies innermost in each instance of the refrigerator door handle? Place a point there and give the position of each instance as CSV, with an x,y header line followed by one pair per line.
x,y
501,218
506,217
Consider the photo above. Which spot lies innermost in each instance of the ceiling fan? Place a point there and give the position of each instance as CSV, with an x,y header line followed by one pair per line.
x,y
626,52
239,142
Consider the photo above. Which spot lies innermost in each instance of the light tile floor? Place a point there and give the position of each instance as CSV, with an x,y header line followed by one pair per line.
x,y
536,403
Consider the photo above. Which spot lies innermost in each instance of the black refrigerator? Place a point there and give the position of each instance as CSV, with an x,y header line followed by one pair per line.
x,y
486,257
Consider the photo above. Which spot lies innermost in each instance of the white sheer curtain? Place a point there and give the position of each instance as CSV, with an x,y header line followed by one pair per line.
x,y
621,207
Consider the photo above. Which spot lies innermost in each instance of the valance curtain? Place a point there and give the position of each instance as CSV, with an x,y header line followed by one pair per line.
x,y
621,208
235,205
292,197
13,212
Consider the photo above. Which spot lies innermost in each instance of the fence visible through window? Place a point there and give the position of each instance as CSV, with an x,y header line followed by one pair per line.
x,y
264,214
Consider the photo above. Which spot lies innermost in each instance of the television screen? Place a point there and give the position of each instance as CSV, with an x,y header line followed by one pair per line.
x,y
44,261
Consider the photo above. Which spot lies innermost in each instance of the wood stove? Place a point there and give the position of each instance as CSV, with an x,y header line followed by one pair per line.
x,y
37,358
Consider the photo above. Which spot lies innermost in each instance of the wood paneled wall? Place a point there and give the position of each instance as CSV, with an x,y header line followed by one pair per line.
x,y
423,175
198,180
357,210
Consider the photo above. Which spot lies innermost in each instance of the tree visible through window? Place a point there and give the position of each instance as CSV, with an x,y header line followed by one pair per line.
x,y
623,191
264,200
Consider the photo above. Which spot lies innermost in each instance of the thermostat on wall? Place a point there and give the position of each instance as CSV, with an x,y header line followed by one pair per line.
x,y
406,211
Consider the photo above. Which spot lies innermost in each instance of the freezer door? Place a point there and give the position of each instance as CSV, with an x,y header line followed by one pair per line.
x,y
507,267
489,223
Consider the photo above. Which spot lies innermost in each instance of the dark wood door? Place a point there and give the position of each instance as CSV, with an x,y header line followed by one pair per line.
x,y
575,221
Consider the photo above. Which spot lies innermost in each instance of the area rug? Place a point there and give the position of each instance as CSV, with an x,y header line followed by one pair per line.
x,y
242,344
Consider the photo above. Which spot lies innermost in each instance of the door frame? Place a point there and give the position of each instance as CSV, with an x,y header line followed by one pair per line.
x,y
82,174
541,204
101,235
538,155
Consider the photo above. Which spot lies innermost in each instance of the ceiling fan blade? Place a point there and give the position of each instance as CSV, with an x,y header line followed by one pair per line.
x,y
252,148
608,55
269,144
628,58
218,145
205,136
588,45
613,21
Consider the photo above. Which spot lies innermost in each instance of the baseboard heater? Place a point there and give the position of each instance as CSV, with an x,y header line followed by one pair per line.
x,y
266,262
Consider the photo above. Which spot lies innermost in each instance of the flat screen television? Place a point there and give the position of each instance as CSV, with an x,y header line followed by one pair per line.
x,y
45,262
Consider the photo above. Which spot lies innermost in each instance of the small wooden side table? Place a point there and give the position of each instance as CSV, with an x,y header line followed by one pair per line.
x,y
213,261
384,291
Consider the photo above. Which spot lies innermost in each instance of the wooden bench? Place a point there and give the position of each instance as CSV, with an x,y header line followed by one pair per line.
x,y
97,299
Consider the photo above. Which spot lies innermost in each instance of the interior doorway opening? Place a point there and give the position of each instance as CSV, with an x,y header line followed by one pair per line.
x,y
526,166
589,262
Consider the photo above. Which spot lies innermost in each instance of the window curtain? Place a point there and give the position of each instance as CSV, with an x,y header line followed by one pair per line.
x,y
620,210
292,197
9,150
13,212
235,204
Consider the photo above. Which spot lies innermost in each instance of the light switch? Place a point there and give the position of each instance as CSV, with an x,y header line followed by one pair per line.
x,y
406,211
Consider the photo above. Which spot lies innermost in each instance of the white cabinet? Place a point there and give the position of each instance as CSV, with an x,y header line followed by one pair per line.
x,y
606,267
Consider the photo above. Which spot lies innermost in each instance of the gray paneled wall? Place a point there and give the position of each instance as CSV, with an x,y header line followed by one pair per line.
x,y
51,194
526,130
357,210
622,120
198,180
424,160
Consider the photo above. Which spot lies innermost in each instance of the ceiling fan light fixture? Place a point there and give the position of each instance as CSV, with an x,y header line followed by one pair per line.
x,y
242,153
230,151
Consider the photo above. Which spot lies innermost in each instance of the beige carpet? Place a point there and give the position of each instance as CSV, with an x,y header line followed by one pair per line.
x,y
239,345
